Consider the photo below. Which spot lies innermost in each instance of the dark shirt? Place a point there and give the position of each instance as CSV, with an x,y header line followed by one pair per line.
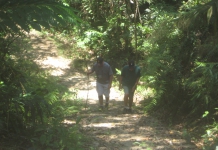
x,y
103,73
129,77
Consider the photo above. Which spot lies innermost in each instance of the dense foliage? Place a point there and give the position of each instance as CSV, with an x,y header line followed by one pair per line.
x,y
174,42
30,100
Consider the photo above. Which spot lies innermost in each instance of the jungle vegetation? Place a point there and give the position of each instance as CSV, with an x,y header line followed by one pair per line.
x,y
174,41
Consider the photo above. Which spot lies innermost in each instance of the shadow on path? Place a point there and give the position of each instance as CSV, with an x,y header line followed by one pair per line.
x,y
108,129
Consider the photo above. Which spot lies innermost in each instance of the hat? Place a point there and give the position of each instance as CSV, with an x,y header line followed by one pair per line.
x,y
99,60
131,63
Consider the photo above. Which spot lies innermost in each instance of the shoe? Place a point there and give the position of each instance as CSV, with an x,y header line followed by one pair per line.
x,y
100,108
106,105
125,110
130,111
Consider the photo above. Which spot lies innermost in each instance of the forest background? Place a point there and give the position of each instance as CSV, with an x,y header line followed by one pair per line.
x,y
173,41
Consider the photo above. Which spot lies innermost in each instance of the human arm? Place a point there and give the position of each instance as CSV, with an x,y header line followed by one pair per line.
x,y
90,71
121,79
110,81
137,79
110,77
135,85
120,82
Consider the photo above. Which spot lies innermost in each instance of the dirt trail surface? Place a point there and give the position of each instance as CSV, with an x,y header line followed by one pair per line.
x,y
109,129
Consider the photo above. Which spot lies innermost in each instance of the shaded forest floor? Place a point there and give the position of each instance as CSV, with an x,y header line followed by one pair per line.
x,y
108,129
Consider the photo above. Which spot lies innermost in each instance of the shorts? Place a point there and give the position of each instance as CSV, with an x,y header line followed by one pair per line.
x,y
128,90
102,89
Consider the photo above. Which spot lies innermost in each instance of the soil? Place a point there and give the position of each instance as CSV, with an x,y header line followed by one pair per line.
x,y
108,129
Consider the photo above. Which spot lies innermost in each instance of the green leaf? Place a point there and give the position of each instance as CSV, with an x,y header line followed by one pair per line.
x,y
209,14
44,24
78,119
205,114
209,132
23,13
36,26
118,71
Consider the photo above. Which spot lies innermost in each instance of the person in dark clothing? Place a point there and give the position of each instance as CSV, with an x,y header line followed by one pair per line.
x,y
129,79
104,77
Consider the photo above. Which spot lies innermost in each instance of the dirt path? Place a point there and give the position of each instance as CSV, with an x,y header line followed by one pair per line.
x,y
108,129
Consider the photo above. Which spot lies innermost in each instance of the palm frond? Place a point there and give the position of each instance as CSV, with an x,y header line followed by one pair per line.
x,y
25,14
199,15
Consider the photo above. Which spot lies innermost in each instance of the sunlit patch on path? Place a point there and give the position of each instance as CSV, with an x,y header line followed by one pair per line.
x,y
108,129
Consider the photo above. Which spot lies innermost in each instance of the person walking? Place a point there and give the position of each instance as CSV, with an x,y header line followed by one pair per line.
x,y
130,75
104,77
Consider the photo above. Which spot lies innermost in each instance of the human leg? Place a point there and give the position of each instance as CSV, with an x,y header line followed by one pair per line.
x,y
131,95
126,95
99,89
106,92
100,98
107,102
126,99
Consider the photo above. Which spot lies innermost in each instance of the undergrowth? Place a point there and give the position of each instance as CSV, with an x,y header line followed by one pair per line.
x,y
35,105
